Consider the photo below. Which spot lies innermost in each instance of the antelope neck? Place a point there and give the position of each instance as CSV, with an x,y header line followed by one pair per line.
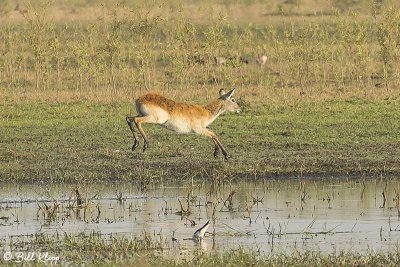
x,y
215,108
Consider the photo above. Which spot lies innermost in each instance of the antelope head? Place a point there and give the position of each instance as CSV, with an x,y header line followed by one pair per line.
x,y
228,102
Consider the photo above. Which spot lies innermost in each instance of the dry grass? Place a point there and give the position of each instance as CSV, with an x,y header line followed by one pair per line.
x,y
118,52
197,11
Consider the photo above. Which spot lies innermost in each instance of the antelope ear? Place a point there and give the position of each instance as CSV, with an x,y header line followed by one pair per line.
x,y
221,92
228,95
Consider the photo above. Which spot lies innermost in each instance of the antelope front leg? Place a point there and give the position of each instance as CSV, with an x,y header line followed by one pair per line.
x,y
216,149
215,138
218,144
129,120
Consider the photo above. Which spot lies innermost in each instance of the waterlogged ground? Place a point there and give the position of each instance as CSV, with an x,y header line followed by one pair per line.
x,y
267,216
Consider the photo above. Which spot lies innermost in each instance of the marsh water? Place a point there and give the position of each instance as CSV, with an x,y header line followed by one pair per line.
x,y
269,216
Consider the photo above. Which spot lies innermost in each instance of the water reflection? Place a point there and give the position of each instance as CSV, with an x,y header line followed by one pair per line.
x,y
267,215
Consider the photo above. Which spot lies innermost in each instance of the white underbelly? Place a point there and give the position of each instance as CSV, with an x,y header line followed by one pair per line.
x,y
178,125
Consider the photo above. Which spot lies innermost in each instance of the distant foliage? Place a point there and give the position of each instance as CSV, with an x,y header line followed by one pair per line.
x,y
146,49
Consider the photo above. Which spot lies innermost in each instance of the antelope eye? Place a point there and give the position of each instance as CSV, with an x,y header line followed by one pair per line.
x,y
233,100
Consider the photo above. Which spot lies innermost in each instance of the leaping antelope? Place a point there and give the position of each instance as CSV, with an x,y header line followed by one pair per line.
x,y
181,117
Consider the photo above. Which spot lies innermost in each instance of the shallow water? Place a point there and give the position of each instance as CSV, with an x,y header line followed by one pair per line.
x,y
268,216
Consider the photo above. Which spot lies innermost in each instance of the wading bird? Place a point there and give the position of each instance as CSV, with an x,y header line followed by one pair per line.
x,y
199,234
181,117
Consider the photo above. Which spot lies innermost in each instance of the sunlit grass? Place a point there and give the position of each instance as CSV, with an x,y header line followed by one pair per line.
x,y
68,142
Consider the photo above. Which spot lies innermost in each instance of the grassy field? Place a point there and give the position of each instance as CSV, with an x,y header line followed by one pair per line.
x,y
74,141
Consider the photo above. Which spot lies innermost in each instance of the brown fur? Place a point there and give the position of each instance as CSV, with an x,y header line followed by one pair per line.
x,y
172,106
214,106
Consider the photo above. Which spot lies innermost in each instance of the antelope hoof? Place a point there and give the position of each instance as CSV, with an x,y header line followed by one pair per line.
x,y
216,153
145,146
225,155
135,144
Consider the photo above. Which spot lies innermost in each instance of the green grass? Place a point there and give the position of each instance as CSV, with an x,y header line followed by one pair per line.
x,y
73,141
92,250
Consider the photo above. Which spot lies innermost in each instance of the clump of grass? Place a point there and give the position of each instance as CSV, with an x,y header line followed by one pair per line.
x,y
144,251
97,248
308,258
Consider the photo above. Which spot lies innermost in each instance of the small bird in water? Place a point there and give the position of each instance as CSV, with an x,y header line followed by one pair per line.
x,y
199,234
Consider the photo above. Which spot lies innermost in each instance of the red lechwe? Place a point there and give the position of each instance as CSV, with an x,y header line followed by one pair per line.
x,y
181,117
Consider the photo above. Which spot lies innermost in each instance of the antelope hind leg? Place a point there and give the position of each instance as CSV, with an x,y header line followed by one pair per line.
x,y
135,140
138,122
